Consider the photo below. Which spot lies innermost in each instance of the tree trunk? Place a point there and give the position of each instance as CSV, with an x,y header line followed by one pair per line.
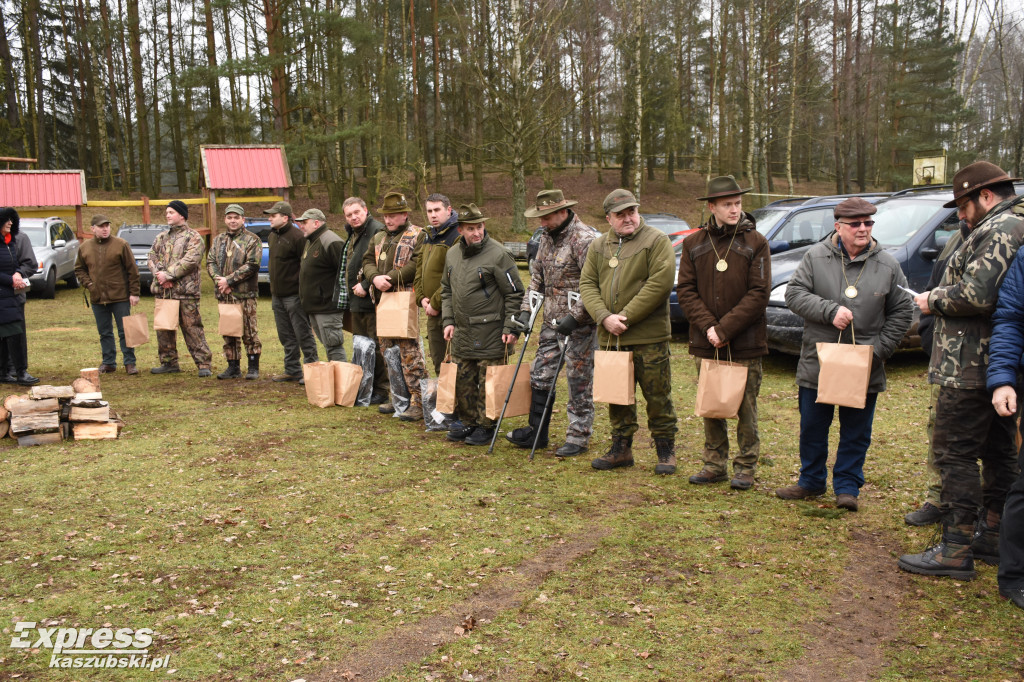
x,y
145,178
215,126
174,110
10,91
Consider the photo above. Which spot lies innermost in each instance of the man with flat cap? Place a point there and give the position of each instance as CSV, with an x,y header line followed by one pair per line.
x,y
555,272
233,264
322,278
846,287
174,261
106,268
967,429
625,285
389,265
725,274
286,243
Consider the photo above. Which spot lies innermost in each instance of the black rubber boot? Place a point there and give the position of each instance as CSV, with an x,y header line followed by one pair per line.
x,y
254,368
524,435
232,372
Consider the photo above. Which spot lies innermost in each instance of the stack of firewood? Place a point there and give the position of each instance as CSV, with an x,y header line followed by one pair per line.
x,y
50,414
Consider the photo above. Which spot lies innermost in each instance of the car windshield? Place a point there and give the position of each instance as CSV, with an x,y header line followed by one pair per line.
x,y
899,220
36,235
140,238
767,218
668,225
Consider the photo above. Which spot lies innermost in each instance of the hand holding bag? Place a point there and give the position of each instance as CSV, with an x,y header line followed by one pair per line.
x,y
165,314
136,330
496,384
844,372
614,381
720,388
446,383
229,321
398,315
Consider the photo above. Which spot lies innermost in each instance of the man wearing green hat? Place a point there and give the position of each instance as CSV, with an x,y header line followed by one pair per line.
x,y
725,275
322,288
233,264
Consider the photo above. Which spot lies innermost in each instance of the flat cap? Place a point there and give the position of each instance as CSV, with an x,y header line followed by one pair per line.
x,y
312,214
619,199
853,208
234,208
99,220
282,207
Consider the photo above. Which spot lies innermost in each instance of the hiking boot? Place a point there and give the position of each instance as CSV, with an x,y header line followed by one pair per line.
x,y
795,492
619,455
131,369
107,369
166,368
952,557
413,414
743,480
1014,594
378,397
706,475
985,543
253,371
206,372
927,515
232,372
386,408
666,449
846,501
288,377
458,434
26,379
570,450
480,436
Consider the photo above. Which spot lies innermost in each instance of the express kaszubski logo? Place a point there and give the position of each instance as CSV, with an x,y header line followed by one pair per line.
x,y
102,647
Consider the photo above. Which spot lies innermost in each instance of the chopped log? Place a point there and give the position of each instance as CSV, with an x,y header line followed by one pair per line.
x,y
38,439
41,392
79,401
35,423
97,431
90,414
15,398
27,407
87,395
92,375
84,386
5,426
4,414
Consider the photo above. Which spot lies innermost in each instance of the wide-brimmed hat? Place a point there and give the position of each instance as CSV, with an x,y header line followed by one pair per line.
x,y
282,207
723,186
469,214
394,202
548,201
312,214
619,199
978,175
99,220
854,207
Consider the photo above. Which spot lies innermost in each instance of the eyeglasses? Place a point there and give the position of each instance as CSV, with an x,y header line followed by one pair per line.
x,y
865,223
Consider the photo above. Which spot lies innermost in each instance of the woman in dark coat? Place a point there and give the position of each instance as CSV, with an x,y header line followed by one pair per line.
x,y
12,287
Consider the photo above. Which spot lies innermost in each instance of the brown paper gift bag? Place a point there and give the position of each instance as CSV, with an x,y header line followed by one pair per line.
x,y
136,330
844,373
319,377
165,314
397,315
496,389
613,377
229,321
346,383
720,389
446,384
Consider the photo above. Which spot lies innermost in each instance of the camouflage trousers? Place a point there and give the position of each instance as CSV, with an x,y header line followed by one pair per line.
x,y
579,372
191,325
250,330
967,429
470,391
934,494
748,442
652,370
413,367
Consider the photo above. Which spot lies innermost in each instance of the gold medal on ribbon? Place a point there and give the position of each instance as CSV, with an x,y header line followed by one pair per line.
x,y
614,262
721,265
383,256
851,291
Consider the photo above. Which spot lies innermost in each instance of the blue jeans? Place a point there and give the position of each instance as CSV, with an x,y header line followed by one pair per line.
x,y
854,439
106,315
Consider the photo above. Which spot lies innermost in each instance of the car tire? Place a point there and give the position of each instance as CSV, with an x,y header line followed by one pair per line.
x,y
50,285
72,281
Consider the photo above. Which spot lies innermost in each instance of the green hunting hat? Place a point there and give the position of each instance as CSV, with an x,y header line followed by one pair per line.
x,y
99,220
974,177
282,207
723,186
312,214
469,214
394,202
548,201
234,208
618,200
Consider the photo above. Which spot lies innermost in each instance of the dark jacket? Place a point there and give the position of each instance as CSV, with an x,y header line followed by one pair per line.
x,y
318,272
12,260
358,241
1007,346
480,292
106,267
430,268
285,253
733,301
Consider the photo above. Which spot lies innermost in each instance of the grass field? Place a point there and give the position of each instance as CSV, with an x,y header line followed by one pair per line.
x,y
261,538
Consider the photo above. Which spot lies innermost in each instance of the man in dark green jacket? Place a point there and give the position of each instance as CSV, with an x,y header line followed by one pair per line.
x,y
440,236
625,285
480,293
361,228
320,286
293,330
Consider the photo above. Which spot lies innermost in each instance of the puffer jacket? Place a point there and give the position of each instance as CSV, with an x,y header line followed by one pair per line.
x,y
178,252
1006,351
106,267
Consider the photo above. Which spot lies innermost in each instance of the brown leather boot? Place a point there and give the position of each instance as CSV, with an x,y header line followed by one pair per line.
x,y
666,448
619,455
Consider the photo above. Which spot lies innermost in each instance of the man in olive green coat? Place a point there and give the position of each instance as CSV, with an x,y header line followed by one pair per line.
x,y
625,285
480,294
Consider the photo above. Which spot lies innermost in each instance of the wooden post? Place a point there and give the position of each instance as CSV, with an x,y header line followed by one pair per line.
x,y
212,195
145,210
78,220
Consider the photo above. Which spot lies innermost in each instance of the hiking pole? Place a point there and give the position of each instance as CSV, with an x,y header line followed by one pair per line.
x,y
573,297
536,302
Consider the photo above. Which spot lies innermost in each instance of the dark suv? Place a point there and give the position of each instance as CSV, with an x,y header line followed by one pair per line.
x,y
140,238
801,221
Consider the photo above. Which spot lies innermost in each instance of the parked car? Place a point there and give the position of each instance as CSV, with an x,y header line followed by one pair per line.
x,y
533,246
56,249
675,227
140,238
801,221
261,228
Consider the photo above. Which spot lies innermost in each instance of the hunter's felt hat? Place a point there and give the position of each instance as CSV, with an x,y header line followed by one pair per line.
x,y
974,177
723,186
469,214
548,201
394,202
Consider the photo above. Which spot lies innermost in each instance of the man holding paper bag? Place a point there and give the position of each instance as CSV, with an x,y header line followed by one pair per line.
x,y
725,273
846,287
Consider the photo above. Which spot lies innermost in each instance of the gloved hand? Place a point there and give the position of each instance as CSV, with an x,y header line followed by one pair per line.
x,y
520,322
567,325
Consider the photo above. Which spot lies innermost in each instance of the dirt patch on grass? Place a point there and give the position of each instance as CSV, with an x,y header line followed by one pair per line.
x,y
849,637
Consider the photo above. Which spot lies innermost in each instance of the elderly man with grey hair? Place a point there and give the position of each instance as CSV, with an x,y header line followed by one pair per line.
x,y
321,274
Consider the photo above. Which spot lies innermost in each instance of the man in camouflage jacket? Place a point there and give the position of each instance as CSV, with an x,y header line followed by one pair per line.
x,y
234,265
174,261
966,427
555,272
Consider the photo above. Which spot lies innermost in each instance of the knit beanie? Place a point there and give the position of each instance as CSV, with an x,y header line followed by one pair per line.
x,y
180,207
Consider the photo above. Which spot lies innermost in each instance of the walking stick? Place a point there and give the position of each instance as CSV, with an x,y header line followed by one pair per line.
x,y
573,297
536,302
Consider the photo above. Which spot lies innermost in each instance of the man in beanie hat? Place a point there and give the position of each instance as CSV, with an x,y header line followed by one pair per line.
x,y
287,243
234,266
625,286
966,427
846,285
322,287
554,272
106,268
725,275
388,265
174,261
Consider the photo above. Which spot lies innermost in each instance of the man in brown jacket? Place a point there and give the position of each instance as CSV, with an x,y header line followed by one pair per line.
x,y
106,267
724,281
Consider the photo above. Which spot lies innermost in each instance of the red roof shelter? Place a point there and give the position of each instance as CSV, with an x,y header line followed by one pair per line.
x,y
243,167
38,188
